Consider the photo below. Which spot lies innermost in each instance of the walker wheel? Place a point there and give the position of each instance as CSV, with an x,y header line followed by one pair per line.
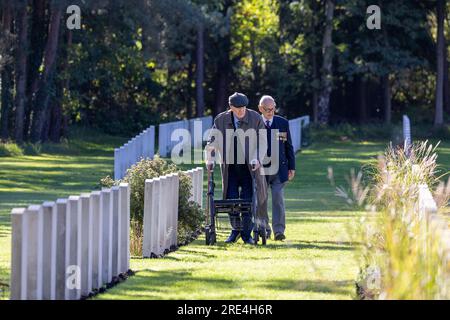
x,y
264,238
212,238
255,237
208,235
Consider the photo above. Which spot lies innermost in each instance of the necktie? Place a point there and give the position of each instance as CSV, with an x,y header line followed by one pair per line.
x,y
269,139
237,144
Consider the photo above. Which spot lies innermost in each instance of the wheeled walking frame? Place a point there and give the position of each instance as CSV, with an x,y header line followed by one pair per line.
x,y
235,208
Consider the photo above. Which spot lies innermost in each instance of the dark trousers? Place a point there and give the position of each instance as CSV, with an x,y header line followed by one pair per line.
x,y
240,186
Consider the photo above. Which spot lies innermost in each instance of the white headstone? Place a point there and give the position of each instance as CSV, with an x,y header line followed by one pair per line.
x,y
147,245
97,243
165,197
124,218
107,217
18,258
72,279
156,232
406,133
49,251
85,244
115,230
61,220
33,237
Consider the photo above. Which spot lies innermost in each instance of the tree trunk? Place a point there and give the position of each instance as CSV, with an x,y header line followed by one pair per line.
x,y
387,99
50,56
6,77
38,26
439,96
446,82
57,114
363,117
224,67
200,72
189,93
446,66
315,96
327,66
221,91
47,121
21,70
55,120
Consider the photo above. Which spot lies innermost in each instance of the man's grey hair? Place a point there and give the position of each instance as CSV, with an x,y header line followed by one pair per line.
x,y
265,99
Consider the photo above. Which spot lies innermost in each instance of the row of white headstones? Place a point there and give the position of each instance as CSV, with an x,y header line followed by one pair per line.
x,y
65,250
161,211
68,248
143,145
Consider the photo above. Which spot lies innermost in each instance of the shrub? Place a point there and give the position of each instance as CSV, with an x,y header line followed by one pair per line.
x,y
9,149
32,149
189,213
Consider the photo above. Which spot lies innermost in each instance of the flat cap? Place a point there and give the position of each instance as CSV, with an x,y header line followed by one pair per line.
x,y
238,100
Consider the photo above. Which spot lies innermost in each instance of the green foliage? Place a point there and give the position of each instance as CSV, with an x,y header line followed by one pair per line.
x,y
134,63
32,149
128,70
9,149
189,213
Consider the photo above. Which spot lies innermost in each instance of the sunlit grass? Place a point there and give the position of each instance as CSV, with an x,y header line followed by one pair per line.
x,y
315,262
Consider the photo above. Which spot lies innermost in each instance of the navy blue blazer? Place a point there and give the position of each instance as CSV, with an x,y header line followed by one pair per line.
x,y
286,150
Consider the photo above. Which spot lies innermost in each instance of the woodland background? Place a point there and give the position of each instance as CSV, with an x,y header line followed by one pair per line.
x,y
134,63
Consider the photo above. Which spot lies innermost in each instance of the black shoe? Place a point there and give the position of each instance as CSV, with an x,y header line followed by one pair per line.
x,y
233,237
279,237
249,241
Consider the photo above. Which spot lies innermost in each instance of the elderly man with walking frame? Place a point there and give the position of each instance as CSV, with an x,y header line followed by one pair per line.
x,y
240,161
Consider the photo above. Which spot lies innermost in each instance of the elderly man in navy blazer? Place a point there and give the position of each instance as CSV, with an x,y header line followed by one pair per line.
x,y
286,162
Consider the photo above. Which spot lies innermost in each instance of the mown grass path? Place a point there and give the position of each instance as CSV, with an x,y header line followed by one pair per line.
x,y
315,262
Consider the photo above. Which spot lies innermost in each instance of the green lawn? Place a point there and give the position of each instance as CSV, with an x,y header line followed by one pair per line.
x,y
315,262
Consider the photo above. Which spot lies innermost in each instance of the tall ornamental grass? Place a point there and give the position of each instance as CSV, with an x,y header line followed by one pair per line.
x,y
404,254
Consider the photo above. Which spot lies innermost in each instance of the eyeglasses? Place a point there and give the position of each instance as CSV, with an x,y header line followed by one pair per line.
x,y
269,110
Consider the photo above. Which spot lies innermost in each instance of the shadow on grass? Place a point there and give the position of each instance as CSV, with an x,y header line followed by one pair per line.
x,y
271,244
158,284
316,286
162,282
4,233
